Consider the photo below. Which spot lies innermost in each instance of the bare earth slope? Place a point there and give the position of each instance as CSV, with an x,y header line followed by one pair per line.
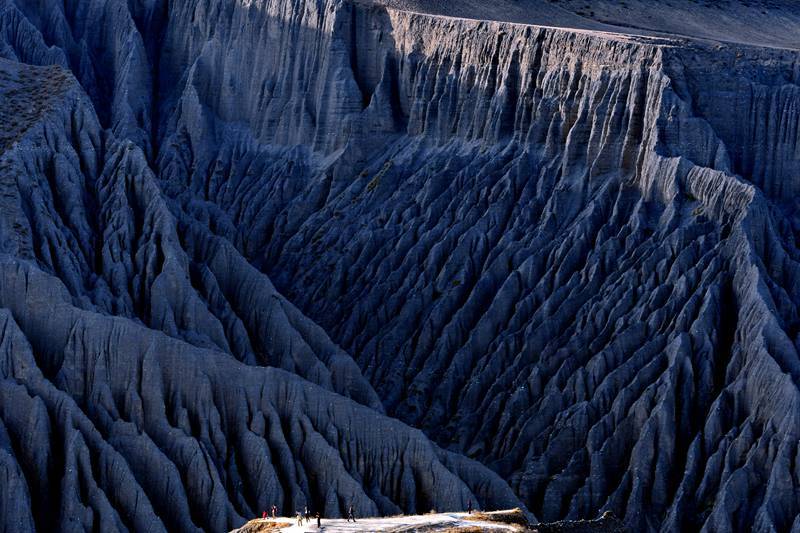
x,y
122,403
315,252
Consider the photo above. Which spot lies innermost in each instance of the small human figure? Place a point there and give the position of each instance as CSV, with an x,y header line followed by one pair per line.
x,y
351,514
319,521
263,515
299,518
274,511
469,506
306,514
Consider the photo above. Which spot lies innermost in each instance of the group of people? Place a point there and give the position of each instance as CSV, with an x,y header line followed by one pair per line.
x,y
305,514
273,510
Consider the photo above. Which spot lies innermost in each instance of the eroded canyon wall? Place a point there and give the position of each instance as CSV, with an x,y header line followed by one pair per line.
x,y
568,256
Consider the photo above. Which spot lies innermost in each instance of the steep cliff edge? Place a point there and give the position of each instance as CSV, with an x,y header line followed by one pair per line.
x,y
568,255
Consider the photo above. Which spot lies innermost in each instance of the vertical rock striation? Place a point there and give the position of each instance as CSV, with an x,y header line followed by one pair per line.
x,y
567,255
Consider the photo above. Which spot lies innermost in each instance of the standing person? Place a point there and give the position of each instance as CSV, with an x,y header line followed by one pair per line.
x,y
306,514
469,506
263,515
274,511
299,518
351,514
319,521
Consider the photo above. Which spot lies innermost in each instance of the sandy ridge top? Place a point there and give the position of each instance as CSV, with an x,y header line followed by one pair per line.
x,y
759,23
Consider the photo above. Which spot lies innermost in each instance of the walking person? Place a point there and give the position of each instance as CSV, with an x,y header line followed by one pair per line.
x,y
351,513
299,518
469,506
306,514
274,511
319,521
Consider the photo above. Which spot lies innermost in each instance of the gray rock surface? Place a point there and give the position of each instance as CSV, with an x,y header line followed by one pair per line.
x,y
565,254
122,403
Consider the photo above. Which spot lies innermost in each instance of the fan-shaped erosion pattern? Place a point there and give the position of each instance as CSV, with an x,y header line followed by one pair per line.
x,y
321,252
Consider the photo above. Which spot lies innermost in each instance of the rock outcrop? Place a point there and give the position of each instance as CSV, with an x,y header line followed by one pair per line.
x,y
566,257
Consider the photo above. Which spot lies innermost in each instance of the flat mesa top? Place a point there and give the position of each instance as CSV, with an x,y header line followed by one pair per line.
x,y
763,23
434,522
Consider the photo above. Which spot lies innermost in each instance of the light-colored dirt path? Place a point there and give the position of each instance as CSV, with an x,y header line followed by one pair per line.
x,y
394,524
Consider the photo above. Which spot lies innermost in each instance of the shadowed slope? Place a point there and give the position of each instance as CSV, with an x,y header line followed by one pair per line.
x,y
144,420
